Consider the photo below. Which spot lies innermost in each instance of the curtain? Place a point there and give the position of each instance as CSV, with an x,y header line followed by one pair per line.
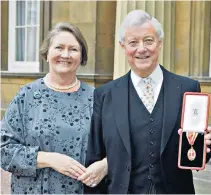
x,y
20,31
27,26
32,22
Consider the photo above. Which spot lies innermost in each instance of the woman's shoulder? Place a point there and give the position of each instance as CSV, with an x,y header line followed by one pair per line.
x,y
87,87
34,85
25,94
30,88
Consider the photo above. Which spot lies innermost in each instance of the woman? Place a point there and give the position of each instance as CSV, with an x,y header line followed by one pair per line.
x,y
45,128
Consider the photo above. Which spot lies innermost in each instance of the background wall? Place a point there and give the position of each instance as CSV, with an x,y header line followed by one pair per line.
x,y
186,47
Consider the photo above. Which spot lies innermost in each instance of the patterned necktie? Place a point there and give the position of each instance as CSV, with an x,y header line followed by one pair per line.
x,y
148,94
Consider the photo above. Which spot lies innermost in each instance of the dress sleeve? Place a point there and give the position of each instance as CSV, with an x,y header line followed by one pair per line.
x,y
16,157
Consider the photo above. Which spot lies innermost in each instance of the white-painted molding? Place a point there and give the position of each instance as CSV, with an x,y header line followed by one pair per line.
x,y
13,65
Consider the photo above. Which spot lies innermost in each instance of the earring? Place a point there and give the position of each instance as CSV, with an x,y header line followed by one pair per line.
x,y
47,60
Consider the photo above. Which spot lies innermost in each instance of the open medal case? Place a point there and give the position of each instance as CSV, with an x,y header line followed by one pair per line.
x,y
194,122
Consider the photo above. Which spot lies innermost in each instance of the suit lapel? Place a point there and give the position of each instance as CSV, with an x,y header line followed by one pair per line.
x,y
120,108
172,101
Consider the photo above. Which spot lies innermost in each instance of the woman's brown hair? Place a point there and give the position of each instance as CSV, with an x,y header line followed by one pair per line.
x,y
65,27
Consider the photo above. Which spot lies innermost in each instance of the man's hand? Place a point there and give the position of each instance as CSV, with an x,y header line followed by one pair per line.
x,y
94,173
208,139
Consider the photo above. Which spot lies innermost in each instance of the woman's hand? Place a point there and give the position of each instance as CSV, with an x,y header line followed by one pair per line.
x,y
60,163
95,173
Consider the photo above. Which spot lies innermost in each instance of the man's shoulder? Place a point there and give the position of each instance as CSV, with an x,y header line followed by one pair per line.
x,y
178,77
111,84
184,78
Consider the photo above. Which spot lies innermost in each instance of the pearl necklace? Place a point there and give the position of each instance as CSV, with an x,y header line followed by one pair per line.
x,y
60,88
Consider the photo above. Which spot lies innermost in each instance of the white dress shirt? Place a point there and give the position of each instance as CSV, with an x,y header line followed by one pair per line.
x,y
157,80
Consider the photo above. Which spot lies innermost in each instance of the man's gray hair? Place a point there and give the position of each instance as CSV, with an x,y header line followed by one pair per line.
x,y
137,18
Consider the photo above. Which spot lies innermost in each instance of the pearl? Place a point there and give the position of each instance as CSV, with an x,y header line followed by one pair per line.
x,y
60,88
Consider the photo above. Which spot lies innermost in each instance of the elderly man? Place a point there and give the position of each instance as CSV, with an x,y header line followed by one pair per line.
x,y
136,118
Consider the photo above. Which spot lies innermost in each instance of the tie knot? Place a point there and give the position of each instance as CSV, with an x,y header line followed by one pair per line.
x,y
147,81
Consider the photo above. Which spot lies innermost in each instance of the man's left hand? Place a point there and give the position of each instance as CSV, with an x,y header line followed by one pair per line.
x,y
208,139
94,173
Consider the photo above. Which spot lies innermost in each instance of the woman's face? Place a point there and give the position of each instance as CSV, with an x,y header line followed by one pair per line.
x,y
64,54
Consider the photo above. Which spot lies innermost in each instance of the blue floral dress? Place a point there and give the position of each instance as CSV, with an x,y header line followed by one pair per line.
x,y
41,119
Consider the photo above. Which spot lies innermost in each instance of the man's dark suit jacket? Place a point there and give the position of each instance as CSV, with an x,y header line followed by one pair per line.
x,y
110,135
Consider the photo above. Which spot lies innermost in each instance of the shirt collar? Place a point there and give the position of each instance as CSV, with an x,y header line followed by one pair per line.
x,y
156,76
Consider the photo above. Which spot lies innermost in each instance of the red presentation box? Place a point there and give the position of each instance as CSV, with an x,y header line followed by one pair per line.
x,y
194,122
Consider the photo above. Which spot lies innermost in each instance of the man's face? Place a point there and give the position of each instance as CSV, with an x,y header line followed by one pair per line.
x,y
142,47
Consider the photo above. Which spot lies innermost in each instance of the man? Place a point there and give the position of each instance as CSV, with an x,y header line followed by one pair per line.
x,y
136,118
